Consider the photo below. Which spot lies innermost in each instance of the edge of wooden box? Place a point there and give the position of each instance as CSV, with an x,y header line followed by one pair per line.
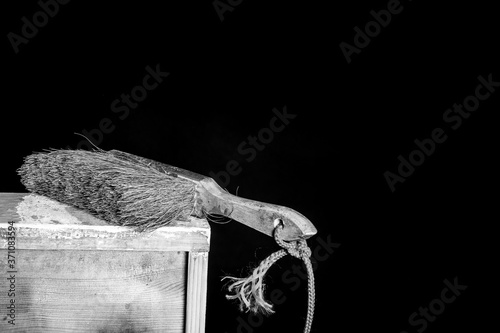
x,y
86,232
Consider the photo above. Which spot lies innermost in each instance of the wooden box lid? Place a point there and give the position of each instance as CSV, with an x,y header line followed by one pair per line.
x,y
42,223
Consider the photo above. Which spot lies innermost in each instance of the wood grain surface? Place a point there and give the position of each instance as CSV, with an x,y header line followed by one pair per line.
x,y
97,291
75,273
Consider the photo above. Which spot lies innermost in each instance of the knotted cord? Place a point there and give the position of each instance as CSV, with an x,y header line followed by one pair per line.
x,y
250,291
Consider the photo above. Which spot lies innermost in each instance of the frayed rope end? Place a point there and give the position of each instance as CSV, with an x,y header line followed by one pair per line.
x,y
247,297
249,291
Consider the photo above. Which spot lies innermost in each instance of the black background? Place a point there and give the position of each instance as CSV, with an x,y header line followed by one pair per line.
x,y
352,121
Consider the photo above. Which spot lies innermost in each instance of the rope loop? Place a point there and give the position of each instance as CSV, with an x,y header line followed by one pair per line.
x,y
297,249
250,291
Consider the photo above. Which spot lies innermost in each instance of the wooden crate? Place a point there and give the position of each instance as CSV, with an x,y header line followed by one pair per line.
x,y
67,271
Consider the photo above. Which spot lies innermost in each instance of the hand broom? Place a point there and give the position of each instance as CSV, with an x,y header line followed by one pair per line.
x,y
129,190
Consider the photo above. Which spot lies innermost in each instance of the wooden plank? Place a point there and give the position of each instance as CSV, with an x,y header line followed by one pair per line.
x,y
196,292
47,224
95,291
75,273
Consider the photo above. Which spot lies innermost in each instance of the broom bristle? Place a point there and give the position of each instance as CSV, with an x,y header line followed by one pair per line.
x,y
119,191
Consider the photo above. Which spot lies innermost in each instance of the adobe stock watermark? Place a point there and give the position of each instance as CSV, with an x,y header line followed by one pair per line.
x,y
293,278
453,117
421,319
372,29
221,7
29,29
254,144
122,106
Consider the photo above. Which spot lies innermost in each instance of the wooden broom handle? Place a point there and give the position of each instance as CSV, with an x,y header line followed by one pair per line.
x,y
256,215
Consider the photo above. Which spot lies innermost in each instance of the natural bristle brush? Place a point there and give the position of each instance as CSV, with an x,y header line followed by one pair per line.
x,y
129,190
